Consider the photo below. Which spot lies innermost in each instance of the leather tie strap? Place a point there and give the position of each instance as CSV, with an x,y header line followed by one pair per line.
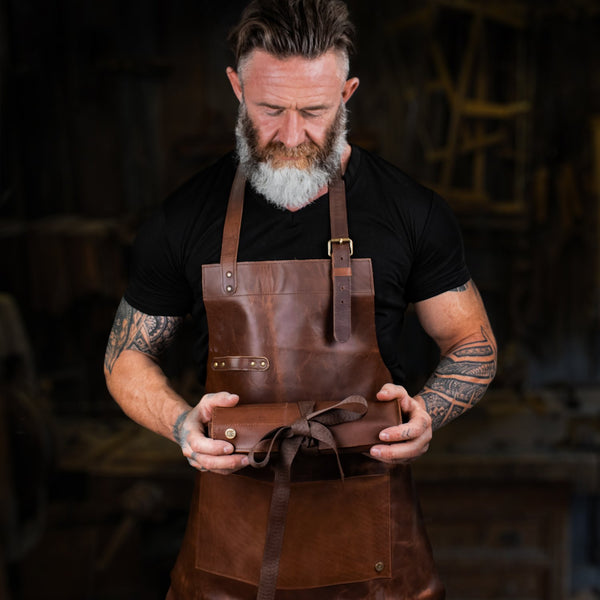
x,y
304,434
340,247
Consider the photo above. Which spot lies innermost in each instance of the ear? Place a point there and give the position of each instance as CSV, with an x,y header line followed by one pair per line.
x,y
349,88
235,82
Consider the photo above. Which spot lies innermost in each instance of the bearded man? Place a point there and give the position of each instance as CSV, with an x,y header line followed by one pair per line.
x,y
297,257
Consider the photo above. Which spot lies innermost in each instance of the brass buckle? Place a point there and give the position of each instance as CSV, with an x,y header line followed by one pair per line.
x,y
340,241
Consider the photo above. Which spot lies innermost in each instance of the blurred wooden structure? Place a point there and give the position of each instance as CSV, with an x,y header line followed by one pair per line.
x,y
487,105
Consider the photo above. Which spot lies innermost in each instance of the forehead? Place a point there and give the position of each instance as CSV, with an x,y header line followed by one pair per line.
x,y
296,80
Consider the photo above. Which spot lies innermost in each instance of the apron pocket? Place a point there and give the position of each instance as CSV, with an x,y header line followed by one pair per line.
x,y
336,532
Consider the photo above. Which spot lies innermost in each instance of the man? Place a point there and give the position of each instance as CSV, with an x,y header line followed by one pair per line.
x,y
278,321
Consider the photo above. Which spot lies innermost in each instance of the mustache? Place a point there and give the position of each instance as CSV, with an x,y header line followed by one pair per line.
x,y
304,150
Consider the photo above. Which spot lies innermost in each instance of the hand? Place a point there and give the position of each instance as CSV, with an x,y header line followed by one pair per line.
x,y
408,440
202,452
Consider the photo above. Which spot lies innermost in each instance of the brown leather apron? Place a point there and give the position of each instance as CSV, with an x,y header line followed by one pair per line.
x,y
290,331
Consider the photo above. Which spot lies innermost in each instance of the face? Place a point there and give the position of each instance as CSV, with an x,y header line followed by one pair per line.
x,y
291,103
291,126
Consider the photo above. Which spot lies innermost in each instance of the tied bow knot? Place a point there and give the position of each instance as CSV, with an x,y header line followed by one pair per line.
x,y
309,431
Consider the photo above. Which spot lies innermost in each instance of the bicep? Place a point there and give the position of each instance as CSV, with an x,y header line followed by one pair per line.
x,y
135,330
455,317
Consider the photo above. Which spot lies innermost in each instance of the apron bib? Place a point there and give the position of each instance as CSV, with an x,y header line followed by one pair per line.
x,y
291,331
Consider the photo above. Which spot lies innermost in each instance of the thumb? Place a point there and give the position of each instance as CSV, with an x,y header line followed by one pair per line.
x,y
210,401
391,392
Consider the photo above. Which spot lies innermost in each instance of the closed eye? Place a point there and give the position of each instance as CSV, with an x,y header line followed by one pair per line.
x,y
311,114
274,112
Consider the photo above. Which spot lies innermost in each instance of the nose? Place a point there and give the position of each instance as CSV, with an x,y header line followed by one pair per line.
x,y
291,132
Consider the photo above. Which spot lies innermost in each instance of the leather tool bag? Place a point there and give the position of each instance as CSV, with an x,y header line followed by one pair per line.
x,y
352,425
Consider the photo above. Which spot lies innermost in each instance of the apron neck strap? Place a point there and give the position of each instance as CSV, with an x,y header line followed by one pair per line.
x,y
339,248
231,233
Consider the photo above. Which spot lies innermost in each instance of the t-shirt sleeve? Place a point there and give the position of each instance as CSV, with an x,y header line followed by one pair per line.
x,y
157,283
439,263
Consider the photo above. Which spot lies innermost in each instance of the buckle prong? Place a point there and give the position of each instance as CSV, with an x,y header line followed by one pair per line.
x,y
340,241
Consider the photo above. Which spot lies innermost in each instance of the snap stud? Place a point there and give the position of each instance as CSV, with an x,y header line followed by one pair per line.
x,y
379,566
230,433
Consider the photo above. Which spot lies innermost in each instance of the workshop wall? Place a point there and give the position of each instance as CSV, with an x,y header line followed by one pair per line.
x,y
106,107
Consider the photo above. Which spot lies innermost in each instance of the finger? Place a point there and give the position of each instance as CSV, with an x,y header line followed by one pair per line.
x,y
218,464
399,452
200,444
414,428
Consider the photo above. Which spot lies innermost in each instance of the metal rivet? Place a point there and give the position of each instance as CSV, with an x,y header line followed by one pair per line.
x,y
229,288
215,364
223,364
230,433
229,274
379,566
252,363
263,363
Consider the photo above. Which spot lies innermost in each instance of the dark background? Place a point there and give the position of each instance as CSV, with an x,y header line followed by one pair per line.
x,y
107,106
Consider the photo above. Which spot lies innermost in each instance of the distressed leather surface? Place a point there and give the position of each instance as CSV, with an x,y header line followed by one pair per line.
x,y
313,538
304,358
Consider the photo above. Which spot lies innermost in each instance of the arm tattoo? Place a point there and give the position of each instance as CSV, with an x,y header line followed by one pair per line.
x,y
460,380
179,433
461,288
135,330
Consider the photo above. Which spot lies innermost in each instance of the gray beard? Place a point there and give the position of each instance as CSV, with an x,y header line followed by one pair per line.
x,y
289,187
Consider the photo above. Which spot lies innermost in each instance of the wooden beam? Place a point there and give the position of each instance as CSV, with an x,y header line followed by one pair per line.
x,y
495,110
470,144
456,108
443,72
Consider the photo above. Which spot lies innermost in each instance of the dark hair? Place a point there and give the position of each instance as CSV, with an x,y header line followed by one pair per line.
x,y
284,28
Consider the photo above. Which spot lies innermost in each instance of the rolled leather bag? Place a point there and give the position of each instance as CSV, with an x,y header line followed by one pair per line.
x,y
354,424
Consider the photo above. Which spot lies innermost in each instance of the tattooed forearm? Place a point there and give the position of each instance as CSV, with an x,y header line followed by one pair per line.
x,y
460,380
134,330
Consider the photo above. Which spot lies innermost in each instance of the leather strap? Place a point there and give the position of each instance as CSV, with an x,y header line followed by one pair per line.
x,y
341,268
231,234
311,427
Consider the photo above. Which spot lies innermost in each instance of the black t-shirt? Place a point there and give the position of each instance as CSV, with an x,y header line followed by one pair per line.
x,y
408,231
